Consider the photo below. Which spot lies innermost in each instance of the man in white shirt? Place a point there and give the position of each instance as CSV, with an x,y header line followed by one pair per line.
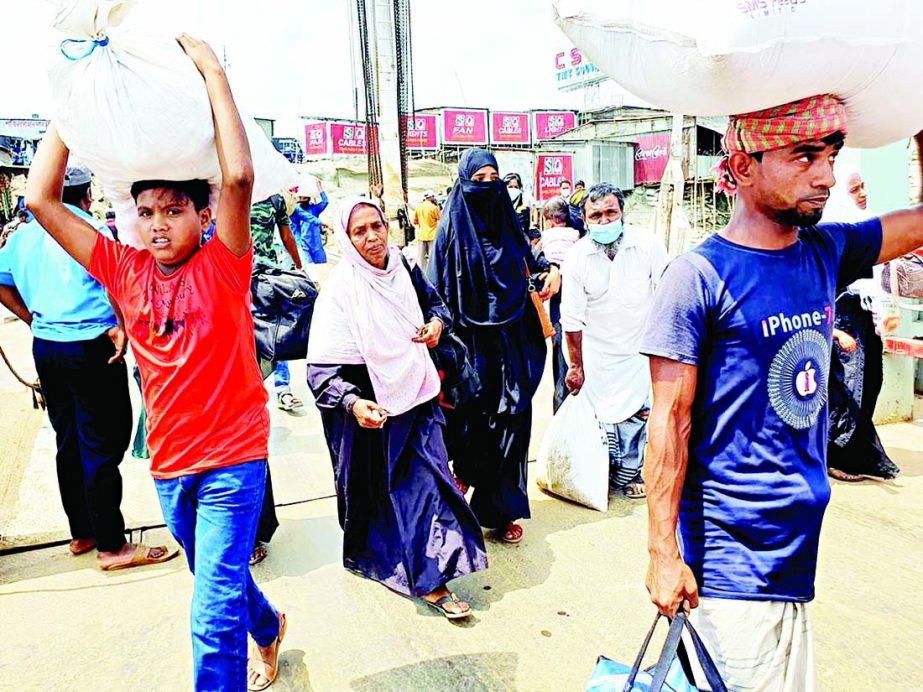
x,y
607,293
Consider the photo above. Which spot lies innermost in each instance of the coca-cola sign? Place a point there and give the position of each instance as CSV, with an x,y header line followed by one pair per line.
x,y
652,152
658,151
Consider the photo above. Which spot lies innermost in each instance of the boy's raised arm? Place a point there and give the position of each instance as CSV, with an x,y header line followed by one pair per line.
x,y
43,198
233,223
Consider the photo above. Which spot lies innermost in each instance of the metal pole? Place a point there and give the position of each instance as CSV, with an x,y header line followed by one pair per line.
x,y
388,120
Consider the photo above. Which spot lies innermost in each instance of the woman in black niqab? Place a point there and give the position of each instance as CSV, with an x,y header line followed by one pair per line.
x,y
479,268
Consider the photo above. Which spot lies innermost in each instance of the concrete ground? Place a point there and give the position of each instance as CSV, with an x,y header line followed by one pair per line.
x,y
573,589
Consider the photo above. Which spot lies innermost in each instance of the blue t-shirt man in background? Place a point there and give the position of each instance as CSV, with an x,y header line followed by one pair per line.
x,y
78,346
740,340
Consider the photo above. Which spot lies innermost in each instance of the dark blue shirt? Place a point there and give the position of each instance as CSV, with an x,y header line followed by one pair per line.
x,y
758,325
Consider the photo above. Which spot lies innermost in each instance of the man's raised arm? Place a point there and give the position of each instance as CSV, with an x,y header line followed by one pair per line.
x,y
233,223
902,231
43,198
669,579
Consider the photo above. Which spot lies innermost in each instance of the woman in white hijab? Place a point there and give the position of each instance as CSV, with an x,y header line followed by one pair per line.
x,y
405,523
854,450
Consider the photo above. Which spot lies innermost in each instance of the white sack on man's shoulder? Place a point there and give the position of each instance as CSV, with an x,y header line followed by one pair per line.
x,y
726,57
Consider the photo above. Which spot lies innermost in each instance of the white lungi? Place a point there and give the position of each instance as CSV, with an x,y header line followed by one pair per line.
x,y
758,646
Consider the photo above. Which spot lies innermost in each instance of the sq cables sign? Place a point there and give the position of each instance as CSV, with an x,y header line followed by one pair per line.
x,y
465,126
550,171
509,128
348,138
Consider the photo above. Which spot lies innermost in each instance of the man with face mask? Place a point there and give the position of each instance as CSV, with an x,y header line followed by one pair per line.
x,y
605,300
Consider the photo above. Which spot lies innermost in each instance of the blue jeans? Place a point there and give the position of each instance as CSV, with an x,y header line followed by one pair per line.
x,y
213,516
282,377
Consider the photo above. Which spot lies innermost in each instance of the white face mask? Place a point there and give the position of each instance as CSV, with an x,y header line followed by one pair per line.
x,y
605,233
514,193
565,192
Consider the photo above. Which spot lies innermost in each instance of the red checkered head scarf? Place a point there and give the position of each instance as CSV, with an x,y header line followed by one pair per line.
x,y
806,120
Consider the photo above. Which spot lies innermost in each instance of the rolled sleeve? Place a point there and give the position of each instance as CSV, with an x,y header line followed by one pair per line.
x,y
573,295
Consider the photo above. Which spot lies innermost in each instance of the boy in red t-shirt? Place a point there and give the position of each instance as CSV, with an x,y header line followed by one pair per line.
x,y
187,314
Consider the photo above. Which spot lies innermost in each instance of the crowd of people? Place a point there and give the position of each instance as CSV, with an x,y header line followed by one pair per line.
x,y
710,382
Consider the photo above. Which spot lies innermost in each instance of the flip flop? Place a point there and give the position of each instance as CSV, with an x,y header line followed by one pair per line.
x,y
510,534
265,672
292,403
142,557
845,477
260,553
635,491
463,487
79,546
440,606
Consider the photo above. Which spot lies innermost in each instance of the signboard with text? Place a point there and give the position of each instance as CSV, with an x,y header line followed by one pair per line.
x,y
573,71
550,124
422,132
550,170
509,128
23,128
465,126
652,153
348,138
317,140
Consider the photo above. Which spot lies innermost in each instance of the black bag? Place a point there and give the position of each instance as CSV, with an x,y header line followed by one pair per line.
x,y
672,672
283,304
460,380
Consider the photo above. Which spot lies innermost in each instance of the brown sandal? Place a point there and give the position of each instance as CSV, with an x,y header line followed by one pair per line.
x,y
261,667
141,557
440,605
635,491
836,474
79,546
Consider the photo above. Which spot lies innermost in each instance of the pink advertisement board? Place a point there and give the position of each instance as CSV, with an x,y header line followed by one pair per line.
x,y
464,126
652,152
509,128
422,131
316,139
549,124
348,138
550,170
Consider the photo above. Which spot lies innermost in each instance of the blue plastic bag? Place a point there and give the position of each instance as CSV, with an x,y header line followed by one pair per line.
x,y
670,673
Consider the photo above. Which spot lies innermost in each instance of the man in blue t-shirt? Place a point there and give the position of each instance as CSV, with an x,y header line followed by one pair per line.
x,y
740,340
78,344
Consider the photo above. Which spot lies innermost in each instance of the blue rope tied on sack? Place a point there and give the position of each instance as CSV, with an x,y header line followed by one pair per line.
x,y
86,47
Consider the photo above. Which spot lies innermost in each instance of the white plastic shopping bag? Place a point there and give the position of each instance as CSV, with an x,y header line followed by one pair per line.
x,y
573,459
724,57
131,106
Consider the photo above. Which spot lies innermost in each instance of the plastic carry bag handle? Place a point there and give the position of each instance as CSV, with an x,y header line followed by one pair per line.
x,y
671,648
84,47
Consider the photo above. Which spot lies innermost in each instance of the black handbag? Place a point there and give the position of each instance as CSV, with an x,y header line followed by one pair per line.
x,y
460,380
283,305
